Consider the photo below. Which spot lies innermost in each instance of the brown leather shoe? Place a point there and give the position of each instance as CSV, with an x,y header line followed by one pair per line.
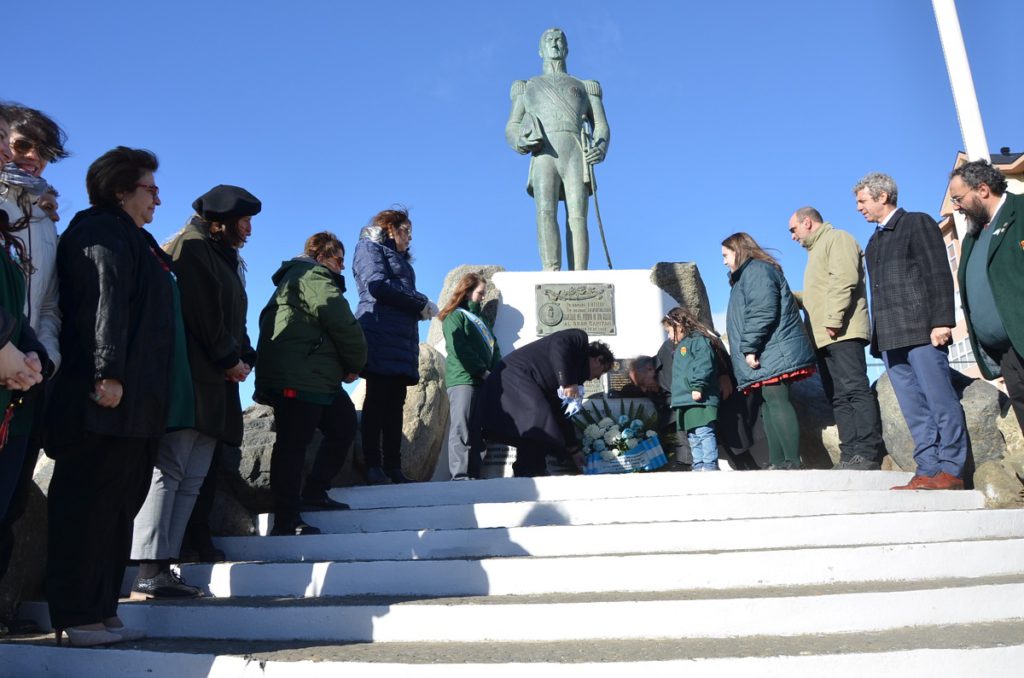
x,y
944,481
916,483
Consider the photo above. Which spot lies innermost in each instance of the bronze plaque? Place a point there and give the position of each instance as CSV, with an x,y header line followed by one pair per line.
x,y
587,306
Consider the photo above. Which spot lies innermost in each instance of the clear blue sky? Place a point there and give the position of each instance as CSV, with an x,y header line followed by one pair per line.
x,y
725,116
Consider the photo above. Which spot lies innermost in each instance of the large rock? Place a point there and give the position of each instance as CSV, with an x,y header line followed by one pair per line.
x,y
1010,428
1000,485
819,438
435,335
425,417
682,282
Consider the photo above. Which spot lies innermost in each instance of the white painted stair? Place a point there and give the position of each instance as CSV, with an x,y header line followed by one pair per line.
x,y
782,573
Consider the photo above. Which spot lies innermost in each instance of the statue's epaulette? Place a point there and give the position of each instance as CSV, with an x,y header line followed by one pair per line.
x,y
518,88
593,87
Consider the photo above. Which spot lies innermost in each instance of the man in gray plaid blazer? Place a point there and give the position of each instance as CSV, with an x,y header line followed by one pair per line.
x,y
911,320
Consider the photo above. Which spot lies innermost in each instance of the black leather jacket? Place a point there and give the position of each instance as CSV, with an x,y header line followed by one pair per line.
x,y
116,300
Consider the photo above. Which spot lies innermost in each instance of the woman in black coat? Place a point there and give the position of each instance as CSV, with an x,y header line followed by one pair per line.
x,y
220,356
111,397
521,405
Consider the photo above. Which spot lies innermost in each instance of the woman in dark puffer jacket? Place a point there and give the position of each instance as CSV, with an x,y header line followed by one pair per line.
x,y
389,308
770,347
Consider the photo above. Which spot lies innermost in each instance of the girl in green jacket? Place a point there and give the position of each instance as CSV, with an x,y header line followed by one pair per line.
x,y
694,386
472,353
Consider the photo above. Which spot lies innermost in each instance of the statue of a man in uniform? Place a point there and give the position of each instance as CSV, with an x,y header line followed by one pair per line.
x,y
560,121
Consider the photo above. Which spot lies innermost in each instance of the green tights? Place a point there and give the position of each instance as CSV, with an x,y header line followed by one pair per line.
x,y
780,425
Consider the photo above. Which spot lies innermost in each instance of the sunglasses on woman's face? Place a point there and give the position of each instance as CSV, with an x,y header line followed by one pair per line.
x,y
23,146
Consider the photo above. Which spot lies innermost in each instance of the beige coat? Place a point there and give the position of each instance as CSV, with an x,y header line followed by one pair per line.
x,y
834,293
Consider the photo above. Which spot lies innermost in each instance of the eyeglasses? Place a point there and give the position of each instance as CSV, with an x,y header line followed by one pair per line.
x,y
153,189
959,200
23,146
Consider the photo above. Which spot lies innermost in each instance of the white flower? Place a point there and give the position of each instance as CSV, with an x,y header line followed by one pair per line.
x,y
652,434
608,455
611,437
592,431
606,423
631,443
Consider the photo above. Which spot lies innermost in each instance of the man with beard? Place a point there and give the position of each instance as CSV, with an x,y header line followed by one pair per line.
x,y
991,273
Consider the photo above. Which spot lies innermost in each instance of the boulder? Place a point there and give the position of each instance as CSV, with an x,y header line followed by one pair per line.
x,y
682,282
435,335
819,438
1014,439
1000,485
425,417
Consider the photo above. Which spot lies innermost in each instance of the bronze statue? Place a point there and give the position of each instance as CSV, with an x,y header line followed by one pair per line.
x,y
559,120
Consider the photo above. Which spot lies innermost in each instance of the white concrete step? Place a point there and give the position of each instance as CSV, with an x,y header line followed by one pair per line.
x,y
664,572
508,620
987,657
635,509
653,537
561,488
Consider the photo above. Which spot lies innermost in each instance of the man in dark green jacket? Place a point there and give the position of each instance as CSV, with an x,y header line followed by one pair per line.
x,y
991,273
309,344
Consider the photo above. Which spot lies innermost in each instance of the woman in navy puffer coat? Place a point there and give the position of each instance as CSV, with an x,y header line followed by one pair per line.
x,y
770,348
389,308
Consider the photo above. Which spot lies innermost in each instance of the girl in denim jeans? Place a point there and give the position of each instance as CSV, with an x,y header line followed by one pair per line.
x,y
695,391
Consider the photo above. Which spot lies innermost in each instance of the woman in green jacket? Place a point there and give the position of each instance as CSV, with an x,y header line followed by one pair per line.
x,y
472,354
309,344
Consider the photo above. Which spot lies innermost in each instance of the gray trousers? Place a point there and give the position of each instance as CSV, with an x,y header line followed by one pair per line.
x,y
465,437
182,460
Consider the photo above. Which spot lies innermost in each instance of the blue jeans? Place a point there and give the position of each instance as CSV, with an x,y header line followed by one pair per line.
x,y
704,447
921,381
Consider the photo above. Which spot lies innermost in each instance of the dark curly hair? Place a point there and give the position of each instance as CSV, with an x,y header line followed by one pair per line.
x,y
978,172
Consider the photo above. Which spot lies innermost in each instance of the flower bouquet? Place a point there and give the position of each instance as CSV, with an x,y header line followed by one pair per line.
x,y
620,444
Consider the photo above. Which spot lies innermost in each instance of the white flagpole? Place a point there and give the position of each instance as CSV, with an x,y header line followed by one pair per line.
x,y
964,98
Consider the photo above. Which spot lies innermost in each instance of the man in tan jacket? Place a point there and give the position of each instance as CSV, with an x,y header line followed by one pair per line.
x,y
835,299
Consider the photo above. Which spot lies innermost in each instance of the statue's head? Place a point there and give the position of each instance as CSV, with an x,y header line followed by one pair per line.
x,y
554,46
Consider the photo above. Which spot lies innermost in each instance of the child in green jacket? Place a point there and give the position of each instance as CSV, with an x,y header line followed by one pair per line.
x,y
695,392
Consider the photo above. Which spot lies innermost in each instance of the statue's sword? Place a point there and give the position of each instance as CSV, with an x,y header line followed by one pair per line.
x,y
586,141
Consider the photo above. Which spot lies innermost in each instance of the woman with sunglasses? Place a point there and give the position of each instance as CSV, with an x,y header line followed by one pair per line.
x,y
389,308
125,364
21,355
209,274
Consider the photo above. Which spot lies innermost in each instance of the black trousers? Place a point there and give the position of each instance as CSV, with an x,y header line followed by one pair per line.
x,y
296,420
382,421
97,489
844,375
532,459
1012,366
197,534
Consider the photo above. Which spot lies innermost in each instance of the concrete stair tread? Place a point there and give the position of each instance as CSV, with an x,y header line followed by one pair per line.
x,y
621,538
587,597
502,490
776,567
989,649
636,509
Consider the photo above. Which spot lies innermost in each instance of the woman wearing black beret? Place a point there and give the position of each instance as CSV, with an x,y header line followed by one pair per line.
x,y
213,303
